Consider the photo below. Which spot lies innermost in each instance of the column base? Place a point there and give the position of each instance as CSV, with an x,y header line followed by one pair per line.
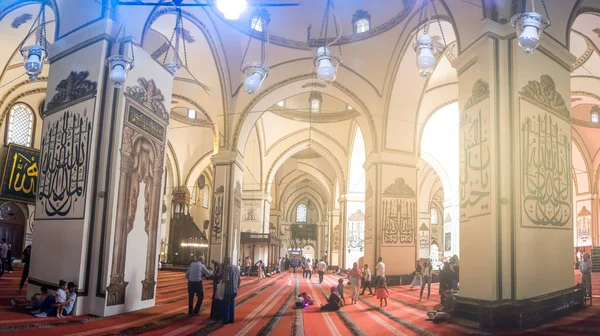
x,y
527,313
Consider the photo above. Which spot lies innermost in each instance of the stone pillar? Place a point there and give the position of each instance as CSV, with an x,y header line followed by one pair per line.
x,y
335,239
391,218
100,178
227,206
516,202
342,232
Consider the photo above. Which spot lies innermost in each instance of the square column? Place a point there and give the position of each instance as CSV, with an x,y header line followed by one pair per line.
x,y
516,202
225,225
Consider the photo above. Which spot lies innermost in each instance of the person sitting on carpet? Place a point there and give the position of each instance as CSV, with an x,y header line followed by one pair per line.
x,y
67,306
46,305
333,302
36,299
61,298
304,300
446,312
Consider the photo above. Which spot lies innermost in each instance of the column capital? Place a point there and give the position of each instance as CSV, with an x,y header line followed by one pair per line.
x,y
228,157
402,159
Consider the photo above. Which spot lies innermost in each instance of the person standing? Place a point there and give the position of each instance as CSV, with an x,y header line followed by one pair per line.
x,y
9,259
355,274
194,277
417,278
321,266
294,265
379,270
366,280
445,280
585,267
247,266
309,268
427,269
216,306
3,254
260,270
231,279
303,267
25,260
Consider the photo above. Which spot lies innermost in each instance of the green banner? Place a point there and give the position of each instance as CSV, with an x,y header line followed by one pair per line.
x,y
19,180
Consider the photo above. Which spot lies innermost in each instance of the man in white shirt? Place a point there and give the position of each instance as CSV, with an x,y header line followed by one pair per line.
x,y
194,276
321,267
585,267
379,271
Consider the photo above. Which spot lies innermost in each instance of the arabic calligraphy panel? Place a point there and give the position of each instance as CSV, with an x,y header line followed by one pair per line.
x,y
399,219
475,172
584,227
545,170
64,159
20,177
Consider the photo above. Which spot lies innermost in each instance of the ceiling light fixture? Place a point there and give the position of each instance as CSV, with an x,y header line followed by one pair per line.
x,y
428,47
325,61
231,9
120,65
256,72
530,26
35,55
175,64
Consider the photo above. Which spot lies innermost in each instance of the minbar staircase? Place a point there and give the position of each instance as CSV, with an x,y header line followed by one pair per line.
x,y
596,259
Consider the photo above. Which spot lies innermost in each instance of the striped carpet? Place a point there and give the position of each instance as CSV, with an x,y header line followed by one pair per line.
x,y
267,308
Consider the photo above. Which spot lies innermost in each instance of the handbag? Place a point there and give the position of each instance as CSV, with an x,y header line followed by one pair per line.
x,y
220,292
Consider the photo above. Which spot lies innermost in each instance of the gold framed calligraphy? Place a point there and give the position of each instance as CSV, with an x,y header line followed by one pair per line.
x,y
545,170
64,160
20,177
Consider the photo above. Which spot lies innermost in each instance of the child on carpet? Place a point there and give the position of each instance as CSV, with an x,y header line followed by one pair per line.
x,y
381,291
61,297
340,289
304,300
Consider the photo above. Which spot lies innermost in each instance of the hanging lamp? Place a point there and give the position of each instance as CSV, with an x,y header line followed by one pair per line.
x,y
256,72
35,55
120,65
426,46
325,61
231,9
174,66
530,27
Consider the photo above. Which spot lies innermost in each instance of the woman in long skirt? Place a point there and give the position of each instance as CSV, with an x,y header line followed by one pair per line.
x,y
216,305
417,279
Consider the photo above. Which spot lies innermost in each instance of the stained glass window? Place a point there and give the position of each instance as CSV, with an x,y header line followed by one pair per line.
x,y
362,26
194,195
434,216
205,197
315,106
191,114
20,125
595,118
301,213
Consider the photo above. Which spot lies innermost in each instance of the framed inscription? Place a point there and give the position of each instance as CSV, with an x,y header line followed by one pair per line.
x,y
20,175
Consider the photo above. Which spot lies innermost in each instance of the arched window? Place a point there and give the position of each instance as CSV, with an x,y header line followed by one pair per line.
x,y
205,197
362,26
301,213
20,125
595,117
194,195
191,114
434,216
257,24
315,106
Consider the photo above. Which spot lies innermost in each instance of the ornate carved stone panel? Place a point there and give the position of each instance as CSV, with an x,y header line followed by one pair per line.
x,y
72,89
399,215
543,93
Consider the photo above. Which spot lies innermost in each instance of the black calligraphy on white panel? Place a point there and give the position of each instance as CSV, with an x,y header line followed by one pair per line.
x,y
64,158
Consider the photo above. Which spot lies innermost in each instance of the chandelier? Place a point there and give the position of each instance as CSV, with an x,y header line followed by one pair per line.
x,y
119,65
325,61
256,72
428,47
175,64
530,26
35,55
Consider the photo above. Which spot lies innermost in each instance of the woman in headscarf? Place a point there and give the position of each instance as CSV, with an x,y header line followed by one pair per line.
x,y
216,305
354,275
333,301
445,280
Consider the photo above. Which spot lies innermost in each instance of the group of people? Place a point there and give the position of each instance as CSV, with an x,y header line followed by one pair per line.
x,y
226,282
44,304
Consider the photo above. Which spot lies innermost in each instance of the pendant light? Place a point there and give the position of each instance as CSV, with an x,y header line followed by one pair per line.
x,y
325,61
426,46
35,55
175,64
530,26
256,72
120,65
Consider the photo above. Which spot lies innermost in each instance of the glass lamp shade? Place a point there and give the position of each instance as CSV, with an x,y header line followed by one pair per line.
x,y
231,9
255,72
119,66
426,59
33,60
530,27
253,82
326,71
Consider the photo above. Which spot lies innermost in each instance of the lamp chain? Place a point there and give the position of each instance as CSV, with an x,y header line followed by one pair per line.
x,y
437,17
546,12
41,18
422,15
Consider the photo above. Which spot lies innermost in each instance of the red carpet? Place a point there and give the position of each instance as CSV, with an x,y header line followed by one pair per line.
x,y
267,308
